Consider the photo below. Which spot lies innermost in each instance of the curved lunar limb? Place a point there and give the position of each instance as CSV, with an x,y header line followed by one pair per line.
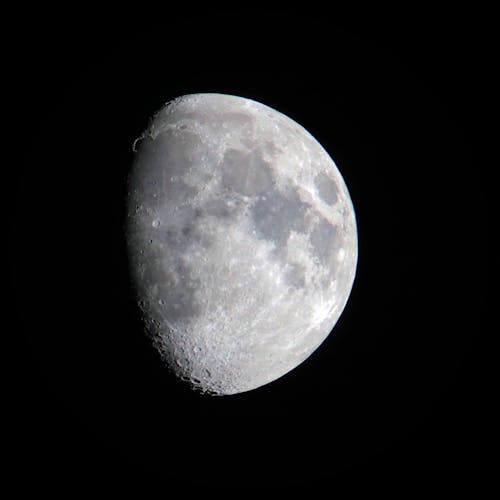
x,y
242,241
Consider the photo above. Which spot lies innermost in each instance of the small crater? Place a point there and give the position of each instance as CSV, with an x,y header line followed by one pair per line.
x,y
156,223
211,392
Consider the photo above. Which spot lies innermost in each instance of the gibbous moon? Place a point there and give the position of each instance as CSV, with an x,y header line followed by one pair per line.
x,y
242,241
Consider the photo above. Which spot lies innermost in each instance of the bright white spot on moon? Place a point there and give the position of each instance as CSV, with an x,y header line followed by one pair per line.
x,y
242,241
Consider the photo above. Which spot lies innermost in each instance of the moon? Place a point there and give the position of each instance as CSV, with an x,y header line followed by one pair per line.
x,y
241,238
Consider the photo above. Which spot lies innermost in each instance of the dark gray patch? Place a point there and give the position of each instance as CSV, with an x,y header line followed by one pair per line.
x,y
175,286
275,215
180,238
246,173
218,208
161,163
177,289
296,276
182,231
271,149
327,188
146,269
237,120
326,241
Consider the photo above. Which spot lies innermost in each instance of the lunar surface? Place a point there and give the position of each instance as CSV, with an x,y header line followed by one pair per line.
x,y
242,241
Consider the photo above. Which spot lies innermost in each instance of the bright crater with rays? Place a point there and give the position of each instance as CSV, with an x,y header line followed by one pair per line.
x,y
241,238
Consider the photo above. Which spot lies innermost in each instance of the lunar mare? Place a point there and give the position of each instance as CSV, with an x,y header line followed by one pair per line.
x,y
241,238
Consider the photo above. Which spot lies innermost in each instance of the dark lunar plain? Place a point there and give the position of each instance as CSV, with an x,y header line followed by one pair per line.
x,y
394,400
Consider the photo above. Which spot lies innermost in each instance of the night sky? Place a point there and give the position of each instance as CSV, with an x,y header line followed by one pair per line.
x,y
395,398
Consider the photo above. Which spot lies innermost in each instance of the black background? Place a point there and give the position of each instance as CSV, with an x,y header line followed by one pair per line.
x,y
394,398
